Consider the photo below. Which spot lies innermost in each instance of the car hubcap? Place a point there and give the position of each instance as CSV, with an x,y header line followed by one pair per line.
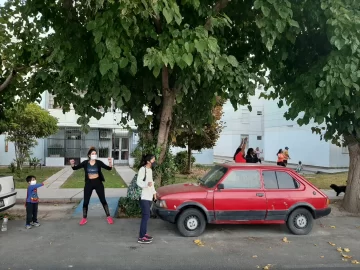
x,y
300,221
192,223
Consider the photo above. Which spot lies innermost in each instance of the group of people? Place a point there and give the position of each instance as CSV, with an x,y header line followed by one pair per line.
x,y
253,156
94,179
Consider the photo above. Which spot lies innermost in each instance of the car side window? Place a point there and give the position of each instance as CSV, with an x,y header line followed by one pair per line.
x,y
279,180
270,180
286,181
242,179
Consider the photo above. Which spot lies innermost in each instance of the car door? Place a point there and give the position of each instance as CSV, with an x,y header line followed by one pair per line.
x,y
241,197
282,191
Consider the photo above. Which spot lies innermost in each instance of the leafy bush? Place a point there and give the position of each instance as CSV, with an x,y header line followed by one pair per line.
x,y
129,207
34,162
12,167
181,161
165,171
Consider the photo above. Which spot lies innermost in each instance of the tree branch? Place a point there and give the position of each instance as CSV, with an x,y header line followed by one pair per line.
x,y
158,27
220,5
7,81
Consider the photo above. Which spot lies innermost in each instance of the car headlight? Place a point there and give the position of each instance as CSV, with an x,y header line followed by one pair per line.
x,y
161,203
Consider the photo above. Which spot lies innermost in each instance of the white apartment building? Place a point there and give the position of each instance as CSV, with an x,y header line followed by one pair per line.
x,y
71,143
266,128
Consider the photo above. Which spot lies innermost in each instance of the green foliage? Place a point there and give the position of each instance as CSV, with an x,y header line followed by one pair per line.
x,y
181,161
314,65
34,162
164,172
24,124
117,50
128,207
12,167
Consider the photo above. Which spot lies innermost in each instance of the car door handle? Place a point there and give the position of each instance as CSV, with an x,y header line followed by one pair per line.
x,y
260,194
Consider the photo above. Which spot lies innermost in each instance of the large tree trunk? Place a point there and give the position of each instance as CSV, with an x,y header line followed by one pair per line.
x,y
351,201
168,102
189,160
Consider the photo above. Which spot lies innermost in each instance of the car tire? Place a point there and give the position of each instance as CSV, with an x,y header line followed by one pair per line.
x,y
191,223
300,221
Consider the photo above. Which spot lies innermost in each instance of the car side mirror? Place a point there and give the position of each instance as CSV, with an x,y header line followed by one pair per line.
x,y
220,186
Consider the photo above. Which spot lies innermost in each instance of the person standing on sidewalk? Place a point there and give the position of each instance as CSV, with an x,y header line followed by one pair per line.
x,y
148,193
32,202
286,155
93,180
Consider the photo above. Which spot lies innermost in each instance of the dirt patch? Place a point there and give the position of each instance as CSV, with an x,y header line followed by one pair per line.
x,y
338,211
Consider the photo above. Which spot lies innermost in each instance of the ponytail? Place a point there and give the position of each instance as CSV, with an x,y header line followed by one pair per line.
x,y
145,159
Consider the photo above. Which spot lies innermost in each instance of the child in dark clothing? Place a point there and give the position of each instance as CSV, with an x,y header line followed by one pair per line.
x,y
32,201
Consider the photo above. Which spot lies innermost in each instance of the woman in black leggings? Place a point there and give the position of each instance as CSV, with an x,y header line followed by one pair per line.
x,y
93,180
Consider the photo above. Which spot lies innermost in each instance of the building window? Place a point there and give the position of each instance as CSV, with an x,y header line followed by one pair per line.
x,y
259,138
259,112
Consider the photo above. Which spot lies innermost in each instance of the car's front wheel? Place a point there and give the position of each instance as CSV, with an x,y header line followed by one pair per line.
x,y
300,221
191,223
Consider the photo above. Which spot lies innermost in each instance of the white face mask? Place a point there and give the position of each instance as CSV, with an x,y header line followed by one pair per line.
x,y
33,182
93,157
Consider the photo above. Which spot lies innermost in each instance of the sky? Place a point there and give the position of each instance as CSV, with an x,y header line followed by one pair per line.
x,y
2,2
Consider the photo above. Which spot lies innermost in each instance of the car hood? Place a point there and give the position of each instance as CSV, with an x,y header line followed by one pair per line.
x,y
180,188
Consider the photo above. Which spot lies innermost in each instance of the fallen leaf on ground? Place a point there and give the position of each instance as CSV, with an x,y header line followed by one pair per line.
x,y
332,227
346,250
345,260
315,245
355,262
267,267
346,256
321,257
199,243
254,256
332,244
285,240
339,249
258,266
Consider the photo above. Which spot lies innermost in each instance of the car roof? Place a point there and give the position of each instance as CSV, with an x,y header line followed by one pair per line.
x,y
233,165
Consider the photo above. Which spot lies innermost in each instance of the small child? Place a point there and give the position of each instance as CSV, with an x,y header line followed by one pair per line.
x,y
32,201
299,167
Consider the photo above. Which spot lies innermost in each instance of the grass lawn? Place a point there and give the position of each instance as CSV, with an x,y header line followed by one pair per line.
x,y
323,181
41,174
112,180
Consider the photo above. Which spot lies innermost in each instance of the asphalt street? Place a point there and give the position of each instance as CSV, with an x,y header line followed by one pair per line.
x,y
65,245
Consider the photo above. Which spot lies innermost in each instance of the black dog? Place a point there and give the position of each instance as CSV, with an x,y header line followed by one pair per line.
x,y
338,189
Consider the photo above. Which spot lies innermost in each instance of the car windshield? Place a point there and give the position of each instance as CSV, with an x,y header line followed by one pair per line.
x,y
213,176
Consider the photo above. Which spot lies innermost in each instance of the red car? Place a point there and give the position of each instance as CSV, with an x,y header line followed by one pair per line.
x,y
243,194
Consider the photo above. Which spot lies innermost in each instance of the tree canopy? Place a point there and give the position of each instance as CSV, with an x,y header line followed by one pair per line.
x,y
166,52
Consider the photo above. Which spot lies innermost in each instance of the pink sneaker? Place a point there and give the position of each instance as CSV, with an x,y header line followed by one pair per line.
x,y
110,220
83,221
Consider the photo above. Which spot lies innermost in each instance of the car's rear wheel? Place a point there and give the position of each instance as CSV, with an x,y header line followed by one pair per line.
x,y
191,223
300,221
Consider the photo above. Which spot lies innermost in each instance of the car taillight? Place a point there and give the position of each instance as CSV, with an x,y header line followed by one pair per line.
x,y
327,202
